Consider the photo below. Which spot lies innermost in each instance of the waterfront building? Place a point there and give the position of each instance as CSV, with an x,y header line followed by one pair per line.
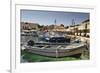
x,y
82,29
59,28
29,26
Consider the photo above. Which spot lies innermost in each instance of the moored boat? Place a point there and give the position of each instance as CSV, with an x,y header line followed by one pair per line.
x,y
57,51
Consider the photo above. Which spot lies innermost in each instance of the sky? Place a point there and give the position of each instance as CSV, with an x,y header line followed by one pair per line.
x,y
49,17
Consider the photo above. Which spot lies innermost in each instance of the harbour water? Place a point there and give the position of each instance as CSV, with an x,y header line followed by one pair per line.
x,y
40,38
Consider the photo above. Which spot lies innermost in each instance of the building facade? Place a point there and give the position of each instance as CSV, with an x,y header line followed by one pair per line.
x,y
82,29
29,26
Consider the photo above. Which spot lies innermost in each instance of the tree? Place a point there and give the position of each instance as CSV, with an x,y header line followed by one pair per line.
x,y
62,25
40,26
67,27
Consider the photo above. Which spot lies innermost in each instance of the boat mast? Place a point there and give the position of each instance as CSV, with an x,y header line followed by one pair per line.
x,y
73,24
55,22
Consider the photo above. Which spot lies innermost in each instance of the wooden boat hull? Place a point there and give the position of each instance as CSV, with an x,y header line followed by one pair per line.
x,y
57,52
